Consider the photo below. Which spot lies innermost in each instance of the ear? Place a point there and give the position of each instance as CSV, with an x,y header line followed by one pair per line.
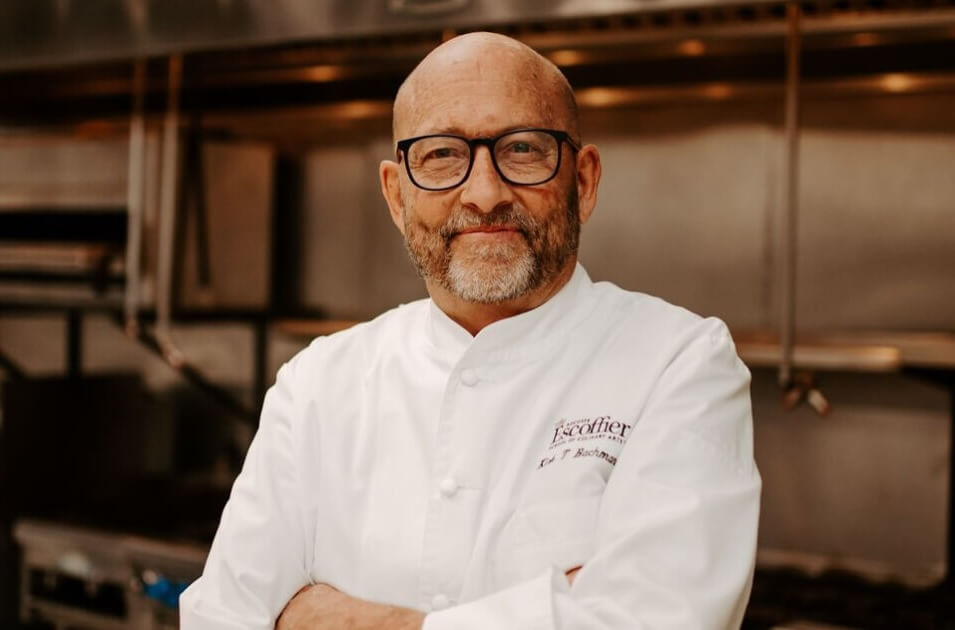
x,y
588,178
390,189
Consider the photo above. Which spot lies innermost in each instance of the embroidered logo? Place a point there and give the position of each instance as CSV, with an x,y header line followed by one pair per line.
x,y
568,432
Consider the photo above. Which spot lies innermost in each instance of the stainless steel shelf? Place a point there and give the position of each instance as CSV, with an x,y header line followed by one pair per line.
x,y
860,351
312,327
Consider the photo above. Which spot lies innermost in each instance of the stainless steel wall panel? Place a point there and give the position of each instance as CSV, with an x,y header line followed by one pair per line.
x,y
354,263
238,193
864,488
52,170
685,205
334,275
877,214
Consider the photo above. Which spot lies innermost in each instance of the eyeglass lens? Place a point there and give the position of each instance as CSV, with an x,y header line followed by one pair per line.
x,y
523,157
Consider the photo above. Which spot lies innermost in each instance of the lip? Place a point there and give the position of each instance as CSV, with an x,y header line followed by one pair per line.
x,y
489,229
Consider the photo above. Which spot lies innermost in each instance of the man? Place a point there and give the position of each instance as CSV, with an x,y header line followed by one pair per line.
x,y
526,449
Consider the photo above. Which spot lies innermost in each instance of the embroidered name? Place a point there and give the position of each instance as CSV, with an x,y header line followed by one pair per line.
x,y
585,430
580,452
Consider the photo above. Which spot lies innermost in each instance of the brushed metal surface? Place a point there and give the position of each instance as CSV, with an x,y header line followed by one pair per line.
x,y
36,33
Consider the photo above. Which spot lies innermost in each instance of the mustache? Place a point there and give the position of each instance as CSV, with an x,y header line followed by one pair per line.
x,y
464,220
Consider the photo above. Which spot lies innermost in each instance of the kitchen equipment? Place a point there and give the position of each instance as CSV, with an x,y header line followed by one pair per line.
x,y
100,580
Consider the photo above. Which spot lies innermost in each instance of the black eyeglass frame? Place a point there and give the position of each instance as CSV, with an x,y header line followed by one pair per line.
x,y
486,141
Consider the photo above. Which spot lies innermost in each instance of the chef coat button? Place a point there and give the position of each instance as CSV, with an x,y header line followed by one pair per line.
x,y
448,487
469,377
440,602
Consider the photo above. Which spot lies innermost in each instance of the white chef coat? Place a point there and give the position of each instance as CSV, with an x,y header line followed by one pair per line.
x,y
406,462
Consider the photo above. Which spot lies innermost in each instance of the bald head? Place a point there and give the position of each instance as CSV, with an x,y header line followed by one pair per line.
x,y
504,67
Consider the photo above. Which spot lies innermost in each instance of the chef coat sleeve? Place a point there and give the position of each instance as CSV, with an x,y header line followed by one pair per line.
x,y
676,532
257,560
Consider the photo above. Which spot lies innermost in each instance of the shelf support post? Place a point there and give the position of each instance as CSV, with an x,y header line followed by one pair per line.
x,y
790,203
135,198
167,215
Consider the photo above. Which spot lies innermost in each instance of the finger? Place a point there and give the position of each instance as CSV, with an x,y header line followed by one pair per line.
x,y
572,574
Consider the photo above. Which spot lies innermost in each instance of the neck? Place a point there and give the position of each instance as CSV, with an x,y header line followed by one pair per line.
x,y
473,317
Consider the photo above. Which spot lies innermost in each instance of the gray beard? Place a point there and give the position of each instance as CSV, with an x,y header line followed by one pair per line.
x,y
495,272
492,273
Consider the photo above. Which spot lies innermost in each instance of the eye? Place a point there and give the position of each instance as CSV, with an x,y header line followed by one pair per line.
x,y
440,152
523,146
520,147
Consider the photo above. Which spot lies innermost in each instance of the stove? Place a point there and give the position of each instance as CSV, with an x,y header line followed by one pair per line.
x,y
92,579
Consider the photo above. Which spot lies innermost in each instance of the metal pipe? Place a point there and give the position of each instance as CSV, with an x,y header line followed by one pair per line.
x,y
167,215
135,197
196,378
790,202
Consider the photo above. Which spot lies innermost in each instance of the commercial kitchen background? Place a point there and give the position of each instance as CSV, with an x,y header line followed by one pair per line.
x,y
275,231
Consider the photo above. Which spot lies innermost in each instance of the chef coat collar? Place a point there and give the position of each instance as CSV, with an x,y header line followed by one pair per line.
x,y
512,334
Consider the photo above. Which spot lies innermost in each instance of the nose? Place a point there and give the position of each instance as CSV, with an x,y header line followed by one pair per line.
x,y
484,190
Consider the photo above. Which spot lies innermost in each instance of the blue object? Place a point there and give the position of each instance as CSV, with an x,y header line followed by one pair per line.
x,y
165,591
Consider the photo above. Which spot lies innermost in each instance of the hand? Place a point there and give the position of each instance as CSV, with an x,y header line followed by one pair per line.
x,y
571,574
323,607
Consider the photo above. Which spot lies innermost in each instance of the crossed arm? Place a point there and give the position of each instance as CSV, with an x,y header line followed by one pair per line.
x,y
323,607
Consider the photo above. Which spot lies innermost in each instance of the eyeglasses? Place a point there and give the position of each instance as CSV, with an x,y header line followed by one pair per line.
x,y
524,157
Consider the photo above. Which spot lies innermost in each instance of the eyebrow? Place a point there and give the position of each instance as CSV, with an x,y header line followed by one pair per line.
x,y
458,131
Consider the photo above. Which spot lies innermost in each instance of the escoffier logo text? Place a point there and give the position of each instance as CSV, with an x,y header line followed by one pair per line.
x,y
601,426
